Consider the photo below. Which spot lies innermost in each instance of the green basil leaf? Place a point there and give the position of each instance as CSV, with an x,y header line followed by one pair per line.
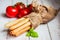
x,y
28,34
31,30
34,34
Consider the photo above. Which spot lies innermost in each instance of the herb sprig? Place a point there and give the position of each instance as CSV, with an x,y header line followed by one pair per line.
x,y
32,33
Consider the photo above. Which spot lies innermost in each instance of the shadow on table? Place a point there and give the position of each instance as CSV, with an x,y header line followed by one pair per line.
x,y
8,36
4,15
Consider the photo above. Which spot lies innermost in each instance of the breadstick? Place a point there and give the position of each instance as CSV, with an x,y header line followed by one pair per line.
x,y
19,24
13,22
20,28
22,31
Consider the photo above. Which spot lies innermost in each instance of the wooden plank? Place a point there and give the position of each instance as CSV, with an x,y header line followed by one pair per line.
x,y
54,28
15,1
54,3
4,4
46,2
3,19
43,33
30,1
53,25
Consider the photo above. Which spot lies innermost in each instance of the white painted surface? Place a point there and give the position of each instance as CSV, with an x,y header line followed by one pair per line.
x,y
54,25
43,31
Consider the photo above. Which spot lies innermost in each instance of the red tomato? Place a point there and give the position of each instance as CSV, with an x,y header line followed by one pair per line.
x,y
20,5
23,12
30,7
11,11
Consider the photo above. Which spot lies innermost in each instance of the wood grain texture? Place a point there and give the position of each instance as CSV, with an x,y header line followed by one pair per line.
x,y
55,23
43,33
15,1
3,20
50,31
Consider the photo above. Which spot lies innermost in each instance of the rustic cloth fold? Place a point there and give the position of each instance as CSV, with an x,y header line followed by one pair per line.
x,y
35,19
41,14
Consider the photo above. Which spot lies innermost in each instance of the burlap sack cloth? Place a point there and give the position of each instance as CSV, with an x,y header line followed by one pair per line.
x,y
41,15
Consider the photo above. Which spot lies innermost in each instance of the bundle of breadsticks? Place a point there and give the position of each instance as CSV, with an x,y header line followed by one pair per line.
x,y
40,14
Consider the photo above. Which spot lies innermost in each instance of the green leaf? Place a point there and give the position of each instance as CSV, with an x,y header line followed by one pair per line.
x,y
34,34
28,34
31,30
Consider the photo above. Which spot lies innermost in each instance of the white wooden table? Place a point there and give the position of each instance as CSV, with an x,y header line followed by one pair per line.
x,y
49,31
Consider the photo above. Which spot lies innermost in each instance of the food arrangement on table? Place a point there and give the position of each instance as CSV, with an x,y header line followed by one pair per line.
x,y
29,18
